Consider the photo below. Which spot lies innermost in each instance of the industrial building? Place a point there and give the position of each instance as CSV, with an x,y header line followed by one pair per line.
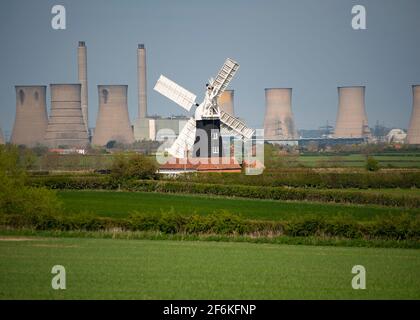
x,y
279,123
351,117
66,126
113,122
413,136
82,74
157,128
31,116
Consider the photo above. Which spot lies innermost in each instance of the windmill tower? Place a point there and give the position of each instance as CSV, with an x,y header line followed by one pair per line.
x,y
413,136
202,133
31,116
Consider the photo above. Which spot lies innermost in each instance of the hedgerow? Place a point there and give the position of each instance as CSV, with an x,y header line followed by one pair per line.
x,y
246,191
402,227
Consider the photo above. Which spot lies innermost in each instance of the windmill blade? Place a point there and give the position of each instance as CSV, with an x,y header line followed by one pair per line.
x,y
185,140
234,125
175,92
224,76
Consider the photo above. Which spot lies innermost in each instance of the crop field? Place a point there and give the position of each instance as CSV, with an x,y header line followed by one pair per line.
x,y
142,269
120,204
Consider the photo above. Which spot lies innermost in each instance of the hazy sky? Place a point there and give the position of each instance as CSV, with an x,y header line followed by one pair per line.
x,y
308,45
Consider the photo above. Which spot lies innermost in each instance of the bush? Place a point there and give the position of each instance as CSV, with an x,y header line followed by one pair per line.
x,y
134,166
15,196
372,164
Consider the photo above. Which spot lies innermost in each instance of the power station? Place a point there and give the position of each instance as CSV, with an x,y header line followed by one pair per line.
x,y
66,126
351,117
279,123
68,121
113,123
31,116
413,136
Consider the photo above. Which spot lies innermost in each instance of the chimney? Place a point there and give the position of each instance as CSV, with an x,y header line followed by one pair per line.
x,y
82,73
413,136
142,81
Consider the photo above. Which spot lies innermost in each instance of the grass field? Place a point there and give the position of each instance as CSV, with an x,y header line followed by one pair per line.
x,y
397,160
120,204
134,269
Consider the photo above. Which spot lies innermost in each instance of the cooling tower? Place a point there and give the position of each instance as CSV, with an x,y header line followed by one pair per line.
x,y
413,136
142,84
278,121
31,116
2,141
113,122
82,72
66,126
225,101
351,118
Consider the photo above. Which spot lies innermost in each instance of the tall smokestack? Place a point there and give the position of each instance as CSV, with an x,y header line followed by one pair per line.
x,y
82,72
113,121
31,115
413,136
279,122
66,126
225,101
351,117
142,81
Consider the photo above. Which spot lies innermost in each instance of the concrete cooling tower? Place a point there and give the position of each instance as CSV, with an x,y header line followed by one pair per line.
x,y
142,81
225,101
113,121
82,72
66,126
31,116
278,121
351,117
413,136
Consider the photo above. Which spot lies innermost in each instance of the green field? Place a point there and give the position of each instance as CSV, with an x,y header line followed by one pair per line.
x,y
120,204
134,269
397,160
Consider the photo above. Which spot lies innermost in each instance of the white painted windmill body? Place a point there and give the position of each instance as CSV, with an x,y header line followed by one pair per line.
x,y
207,112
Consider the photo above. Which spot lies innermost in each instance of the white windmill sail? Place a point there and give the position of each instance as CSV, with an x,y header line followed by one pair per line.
x,y
234,125
185,140
224,76
175,92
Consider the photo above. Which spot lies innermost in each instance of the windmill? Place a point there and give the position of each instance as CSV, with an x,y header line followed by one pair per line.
x,y
208,117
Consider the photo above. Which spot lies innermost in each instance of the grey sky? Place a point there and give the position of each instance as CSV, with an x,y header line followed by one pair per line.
x,y
308,45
